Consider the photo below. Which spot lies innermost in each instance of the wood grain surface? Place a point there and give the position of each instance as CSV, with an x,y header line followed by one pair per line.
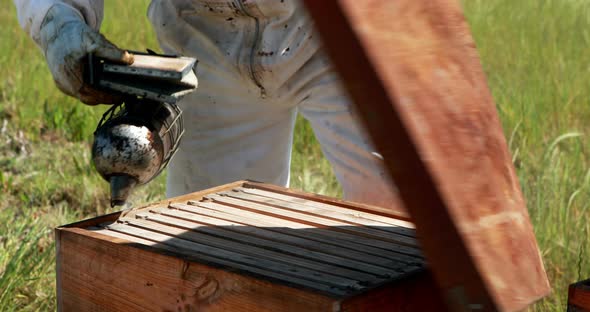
x,y
243,247
412,69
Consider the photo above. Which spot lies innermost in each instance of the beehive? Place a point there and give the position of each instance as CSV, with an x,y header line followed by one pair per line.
x,y
243,247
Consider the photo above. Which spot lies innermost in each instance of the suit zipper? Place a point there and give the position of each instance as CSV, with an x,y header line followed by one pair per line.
x,y
253,47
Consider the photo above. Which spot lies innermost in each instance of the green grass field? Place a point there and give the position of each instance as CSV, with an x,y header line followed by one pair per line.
x,y
536,56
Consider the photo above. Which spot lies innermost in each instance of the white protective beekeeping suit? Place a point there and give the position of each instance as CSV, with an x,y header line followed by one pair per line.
x,y
259,63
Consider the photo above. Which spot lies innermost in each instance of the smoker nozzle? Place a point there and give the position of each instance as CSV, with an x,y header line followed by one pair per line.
x,y
121,187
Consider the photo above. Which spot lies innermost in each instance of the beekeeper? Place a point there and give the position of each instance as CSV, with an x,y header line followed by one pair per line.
x,y
260,62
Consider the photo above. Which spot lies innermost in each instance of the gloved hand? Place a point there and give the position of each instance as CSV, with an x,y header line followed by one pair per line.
x,y
66,39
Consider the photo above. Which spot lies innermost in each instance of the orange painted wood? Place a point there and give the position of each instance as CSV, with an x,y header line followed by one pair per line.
x,y
412,70
579,297
222,250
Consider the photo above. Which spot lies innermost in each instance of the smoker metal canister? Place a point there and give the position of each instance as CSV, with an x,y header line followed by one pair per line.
x,y
134,142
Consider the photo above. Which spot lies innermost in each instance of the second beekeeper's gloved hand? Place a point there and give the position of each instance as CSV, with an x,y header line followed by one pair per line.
x,y
66,40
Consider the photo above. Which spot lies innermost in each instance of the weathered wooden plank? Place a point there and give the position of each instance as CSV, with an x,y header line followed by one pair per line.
x,y
335,215
277,245
371,246
314,220
210,207
226,263
342,249
183,198
270,232
94,221
121,276
315,279
412,70
387,212
364,214
345,276
127,237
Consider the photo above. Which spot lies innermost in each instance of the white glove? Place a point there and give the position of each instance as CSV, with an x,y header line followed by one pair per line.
x,y
66,40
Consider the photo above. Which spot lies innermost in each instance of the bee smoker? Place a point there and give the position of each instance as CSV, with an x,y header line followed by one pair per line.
x,y
135,140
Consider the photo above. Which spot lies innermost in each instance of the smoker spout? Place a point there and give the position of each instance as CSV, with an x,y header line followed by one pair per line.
x,y
121,187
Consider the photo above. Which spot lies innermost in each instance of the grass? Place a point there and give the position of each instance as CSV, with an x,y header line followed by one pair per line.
x,y
534,55
533,51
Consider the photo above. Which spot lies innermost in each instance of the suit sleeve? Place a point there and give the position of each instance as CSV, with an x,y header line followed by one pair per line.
x,y
32,12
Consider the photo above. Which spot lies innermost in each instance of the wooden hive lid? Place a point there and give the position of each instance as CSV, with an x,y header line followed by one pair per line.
x,y
285,237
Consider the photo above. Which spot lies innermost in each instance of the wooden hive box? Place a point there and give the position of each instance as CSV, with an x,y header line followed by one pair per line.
x,y
243,247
